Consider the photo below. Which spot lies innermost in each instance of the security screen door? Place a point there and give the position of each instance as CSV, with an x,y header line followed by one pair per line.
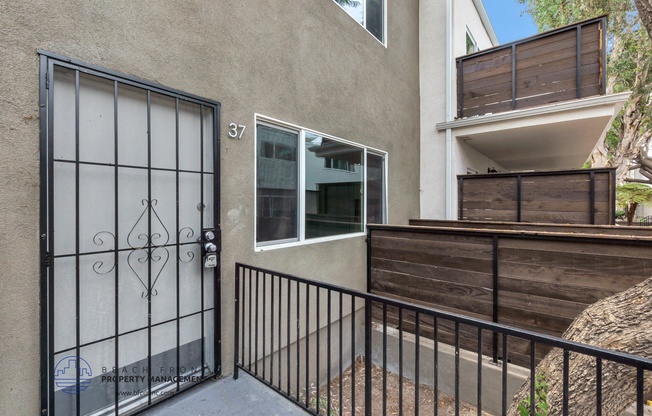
x,y
130,240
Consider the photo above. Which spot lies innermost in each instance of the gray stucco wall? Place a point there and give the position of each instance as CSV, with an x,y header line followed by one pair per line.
x,y
304,62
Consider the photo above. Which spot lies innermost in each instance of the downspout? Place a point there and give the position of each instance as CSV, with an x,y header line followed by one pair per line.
x,y
449,109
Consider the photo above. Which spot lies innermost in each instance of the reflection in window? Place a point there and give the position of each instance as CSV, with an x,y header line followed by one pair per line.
x,y
328,200
339,164
375,189
471,44
276,184
369,13
333,197
280,151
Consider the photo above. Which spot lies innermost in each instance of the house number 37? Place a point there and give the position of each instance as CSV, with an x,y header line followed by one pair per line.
x,y
236,130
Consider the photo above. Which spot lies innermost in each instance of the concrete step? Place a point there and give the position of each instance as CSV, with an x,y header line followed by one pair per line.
x,y
226,397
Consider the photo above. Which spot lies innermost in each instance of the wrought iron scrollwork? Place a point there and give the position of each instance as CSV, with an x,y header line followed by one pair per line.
x,y
158,258
148,247
133,238
98,266
188,255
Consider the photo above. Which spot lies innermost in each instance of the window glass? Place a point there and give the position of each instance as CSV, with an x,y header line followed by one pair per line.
x,y
471,45
328,200
369,13
375,189
283,152
339,164
375,20
266,149
355,9
333,194
277,184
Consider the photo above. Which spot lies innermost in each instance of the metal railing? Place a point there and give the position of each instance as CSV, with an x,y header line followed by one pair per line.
x,y
645,221
532,279
563,64
299,337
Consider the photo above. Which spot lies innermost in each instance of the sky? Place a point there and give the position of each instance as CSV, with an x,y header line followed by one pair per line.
x,y
509,20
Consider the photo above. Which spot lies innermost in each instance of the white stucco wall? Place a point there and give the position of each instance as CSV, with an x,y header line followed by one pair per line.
x,y
469,158
432,35
432,38
466,15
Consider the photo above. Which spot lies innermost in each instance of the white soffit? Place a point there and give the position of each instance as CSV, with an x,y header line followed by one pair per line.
x,y
559,136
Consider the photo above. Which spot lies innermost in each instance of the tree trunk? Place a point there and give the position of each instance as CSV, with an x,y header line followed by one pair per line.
x,y
633,137
621,322
631,212
645,14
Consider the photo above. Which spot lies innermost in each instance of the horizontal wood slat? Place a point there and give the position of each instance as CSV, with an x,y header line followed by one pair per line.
x,y
445,329
475,299
543,70
544,228
570,197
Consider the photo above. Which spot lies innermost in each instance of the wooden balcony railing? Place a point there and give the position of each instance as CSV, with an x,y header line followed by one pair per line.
x,y
564,64
580,196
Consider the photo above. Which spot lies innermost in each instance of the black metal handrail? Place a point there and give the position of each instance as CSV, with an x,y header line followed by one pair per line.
x,y
289,357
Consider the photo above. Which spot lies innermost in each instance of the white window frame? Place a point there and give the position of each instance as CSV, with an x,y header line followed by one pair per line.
x,y
475,43
260,119
384,155
382,41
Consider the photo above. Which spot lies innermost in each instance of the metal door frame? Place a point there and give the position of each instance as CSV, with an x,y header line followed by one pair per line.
x,y
46,110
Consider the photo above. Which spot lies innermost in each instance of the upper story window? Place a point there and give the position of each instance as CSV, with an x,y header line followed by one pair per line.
x,y
339,164
369,13
471,44
272,150
312,186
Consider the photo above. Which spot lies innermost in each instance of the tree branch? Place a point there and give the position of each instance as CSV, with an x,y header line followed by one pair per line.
x,y
634,180
645,14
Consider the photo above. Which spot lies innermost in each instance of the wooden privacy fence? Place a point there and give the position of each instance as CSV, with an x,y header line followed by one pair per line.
x,y
532,280
560,65
581,196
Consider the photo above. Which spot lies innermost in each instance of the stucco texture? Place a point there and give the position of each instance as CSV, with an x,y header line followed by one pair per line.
x,y
433,102
306,63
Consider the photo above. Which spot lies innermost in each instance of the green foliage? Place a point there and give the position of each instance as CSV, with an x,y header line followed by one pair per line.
x,y
550,14
633,193
629,47
540,398
354,3
613,134
313,399
620,213
624,27
630,195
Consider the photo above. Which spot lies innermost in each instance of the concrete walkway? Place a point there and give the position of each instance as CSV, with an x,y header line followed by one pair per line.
x,y
225,397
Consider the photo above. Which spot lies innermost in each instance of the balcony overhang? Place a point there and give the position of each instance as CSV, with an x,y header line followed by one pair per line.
x,y
555,136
